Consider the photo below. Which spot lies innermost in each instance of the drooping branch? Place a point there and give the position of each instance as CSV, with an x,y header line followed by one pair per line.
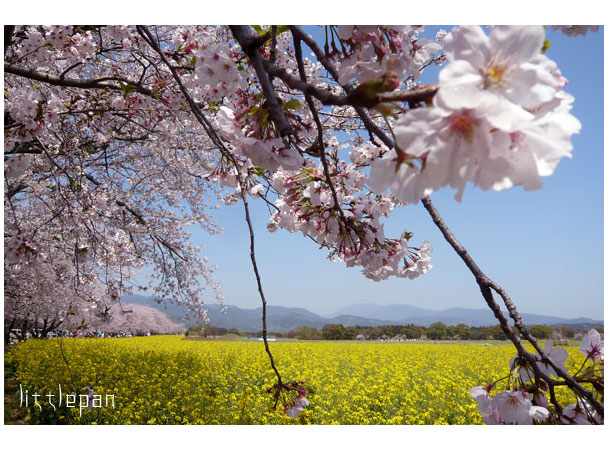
x,y
486,285
147,35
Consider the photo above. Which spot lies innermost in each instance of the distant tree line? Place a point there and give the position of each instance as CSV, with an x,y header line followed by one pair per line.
x,y
435,331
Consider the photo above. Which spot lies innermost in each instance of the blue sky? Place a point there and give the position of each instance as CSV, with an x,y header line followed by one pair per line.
x,y
544,247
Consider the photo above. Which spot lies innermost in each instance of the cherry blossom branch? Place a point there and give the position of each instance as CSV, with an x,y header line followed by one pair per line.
x,y
266,69
146,34
9,198
486,285
421,94
99,83
372,128
250,45
569,381
314,112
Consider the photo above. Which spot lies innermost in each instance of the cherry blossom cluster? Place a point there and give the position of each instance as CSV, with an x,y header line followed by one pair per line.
x,y
575,30
526,402
214,62
375,50
351,228
270,153
500,118
507,407
291,395
18,251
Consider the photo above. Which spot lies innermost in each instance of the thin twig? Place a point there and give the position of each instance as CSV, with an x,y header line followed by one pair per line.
x,y
61,348
145,33
320,139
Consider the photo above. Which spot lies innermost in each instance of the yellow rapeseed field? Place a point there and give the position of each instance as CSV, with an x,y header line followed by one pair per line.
x,y
169,380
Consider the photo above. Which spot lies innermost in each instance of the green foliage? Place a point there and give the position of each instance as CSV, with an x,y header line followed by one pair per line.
x,y
412,332
293,103
126,88
462,330
333,332
437,331
279,30
541,331
307,333
206,330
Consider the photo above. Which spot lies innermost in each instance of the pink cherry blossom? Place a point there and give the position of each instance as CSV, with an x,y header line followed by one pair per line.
x,y
58,35
592,346
459,141
575,30
513,407
558,355
579,413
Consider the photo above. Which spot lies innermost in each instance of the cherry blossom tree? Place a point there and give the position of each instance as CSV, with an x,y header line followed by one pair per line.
x,y
119,138
138,320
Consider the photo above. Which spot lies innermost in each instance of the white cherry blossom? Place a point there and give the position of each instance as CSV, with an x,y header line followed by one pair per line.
x,y
592,346
501,74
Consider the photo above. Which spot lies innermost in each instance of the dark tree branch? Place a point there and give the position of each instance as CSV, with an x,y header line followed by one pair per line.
x,y
416,95
65,72
486,285
249,45
372,128
76,83
9,30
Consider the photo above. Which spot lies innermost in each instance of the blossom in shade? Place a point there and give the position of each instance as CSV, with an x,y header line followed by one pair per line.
x,y
575,30
480,394
57,35
558,355
298,407
580,413
507,407
513,407
592,346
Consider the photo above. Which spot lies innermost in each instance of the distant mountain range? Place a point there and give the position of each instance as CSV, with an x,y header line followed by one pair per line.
x,y
281,319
